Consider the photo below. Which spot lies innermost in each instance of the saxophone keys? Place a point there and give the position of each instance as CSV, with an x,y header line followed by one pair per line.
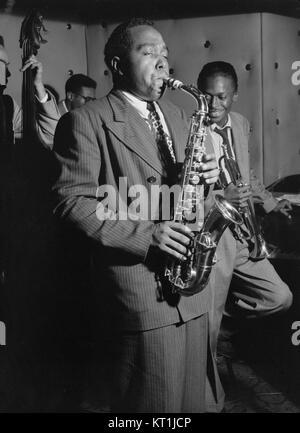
x,y
188,189
194,179
198,157
196,165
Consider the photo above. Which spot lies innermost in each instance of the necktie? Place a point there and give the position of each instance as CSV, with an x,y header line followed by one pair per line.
x,y
226,144
225,172
164,142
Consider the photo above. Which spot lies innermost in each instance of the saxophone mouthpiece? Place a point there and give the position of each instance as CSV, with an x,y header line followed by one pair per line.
x,y
172,83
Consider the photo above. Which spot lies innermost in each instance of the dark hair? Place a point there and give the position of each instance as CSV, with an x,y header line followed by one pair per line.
x,y
1,41
75,82
119,42
217,68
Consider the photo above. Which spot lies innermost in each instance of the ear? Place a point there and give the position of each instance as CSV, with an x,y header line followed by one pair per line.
x,y
70,96
116,65
235,96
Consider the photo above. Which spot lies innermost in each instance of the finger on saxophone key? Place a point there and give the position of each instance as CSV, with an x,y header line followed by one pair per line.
x,y
209,168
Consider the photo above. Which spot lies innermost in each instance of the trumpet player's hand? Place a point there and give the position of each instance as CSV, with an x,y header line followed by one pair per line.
x,y
172,238
209,168
237,196
284,206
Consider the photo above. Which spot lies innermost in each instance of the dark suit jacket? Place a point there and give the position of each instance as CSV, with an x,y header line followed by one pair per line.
x,y
97,145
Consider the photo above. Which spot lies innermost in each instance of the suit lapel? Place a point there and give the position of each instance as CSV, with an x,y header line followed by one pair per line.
x,y
132,130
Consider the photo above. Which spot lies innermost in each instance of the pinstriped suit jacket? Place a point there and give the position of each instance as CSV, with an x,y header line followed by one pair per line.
x,y
96,145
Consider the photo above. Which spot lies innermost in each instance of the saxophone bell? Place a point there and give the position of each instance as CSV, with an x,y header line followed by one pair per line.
x,y
191,277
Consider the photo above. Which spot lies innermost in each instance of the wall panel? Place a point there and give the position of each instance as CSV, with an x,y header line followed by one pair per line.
x,y
227,38
96,37
194,42
281,108
262,47
64,51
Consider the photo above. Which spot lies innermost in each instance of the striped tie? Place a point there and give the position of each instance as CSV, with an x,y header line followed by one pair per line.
x,y
225,173
163,140
224,134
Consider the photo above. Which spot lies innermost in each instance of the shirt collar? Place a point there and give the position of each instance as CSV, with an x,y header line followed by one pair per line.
x,y
228,123
140,105
65,105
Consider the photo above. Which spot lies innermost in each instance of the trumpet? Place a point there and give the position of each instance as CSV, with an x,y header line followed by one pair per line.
x,y
257,245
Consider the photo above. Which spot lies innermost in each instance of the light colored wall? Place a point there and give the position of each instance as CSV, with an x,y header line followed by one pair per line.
x,y
258,40
229,38
96,37
281,43
65,50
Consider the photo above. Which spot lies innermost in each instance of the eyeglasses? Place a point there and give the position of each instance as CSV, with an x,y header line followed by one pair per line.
x,y
86,98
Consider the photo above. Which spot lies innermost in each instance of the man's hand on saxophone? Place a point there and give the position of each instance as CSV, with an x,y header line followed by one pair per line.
x,y
173,237
209,168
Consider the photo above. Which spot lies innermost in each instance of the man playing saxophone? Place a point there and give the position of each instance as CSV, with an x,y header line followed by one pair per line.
x,y
156,349
256,290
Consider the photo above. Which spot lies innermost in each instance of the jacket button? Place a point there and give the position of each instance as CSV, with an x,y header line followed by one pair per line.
x,y
151,179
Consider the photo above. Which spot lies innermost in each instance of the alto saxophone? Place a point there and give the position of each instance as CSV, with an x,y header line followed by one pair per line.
x,y
191,276
257,245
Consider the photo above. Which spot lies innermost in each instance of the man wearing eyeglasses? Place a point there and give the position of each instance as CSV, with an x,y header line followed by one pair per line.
x,y
79,89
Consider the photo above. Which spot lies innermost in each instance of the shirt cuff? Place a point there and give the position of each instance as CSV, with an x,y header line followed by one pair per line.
x,y
270,204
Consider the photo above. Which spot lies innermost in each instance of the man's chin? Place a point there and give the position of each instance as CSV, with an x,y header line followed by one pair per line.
x,y
161,92
158,91
217,119
156,95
